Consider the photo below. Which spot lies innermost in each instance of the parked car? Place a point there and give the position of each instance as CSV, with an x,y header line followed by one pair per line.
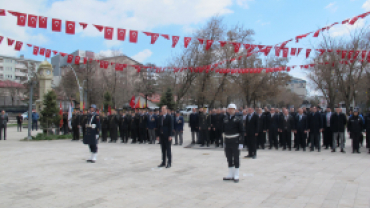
x,y
25,116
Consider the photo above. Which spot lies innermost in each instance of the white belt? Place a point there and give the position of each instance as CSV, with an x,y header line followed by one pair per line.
x,y
231,136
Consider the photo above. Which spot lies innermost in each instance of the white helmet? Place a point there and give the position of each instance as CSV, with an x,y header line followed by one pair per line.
x,y
232,106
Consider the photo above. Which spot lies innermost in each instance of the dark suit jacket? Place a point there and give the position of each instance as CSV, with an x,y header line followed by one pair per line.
x,y
3,120
152,121
179,125
286,124
273,122
262,123
165,125
324,123
338,122
315,122
251,126
301,125
124,122
194,122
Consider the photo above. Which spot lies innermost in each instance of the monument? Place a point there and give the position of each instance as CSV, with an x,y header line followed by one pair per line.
x,y
45,76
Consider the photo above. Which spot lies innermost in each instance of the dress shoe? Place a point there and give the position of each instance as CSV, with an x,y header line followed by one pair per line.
x,y
248,156
254,157
270,147
207,145
326,147
333,150
342,150
290,149
296,149
304,149
319,150
202,145
90,161
284,149
236,180
228,179
110,141
193,142
222,146
176,144
168,165
358,151
161,165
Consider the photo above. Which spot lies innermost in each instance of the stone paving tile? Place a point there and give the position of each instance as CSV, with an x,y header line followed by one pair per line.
x,y
55,174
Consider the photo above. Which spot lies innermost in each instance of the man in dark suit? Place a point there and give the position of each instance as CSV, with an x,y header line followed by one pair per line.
x,y
286,128
300,130
262,128
204,127
3,124
179,128
338,122
124,126
75,123
327,134
113,126
194,126
151,126
293,114
367,129
134,127
142,127
315,128
218,128
212,132
165,131
273,124
251,132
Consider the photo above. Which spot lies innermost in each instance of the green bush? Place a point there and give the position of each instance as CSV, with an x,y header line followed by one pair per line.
x,y
42,136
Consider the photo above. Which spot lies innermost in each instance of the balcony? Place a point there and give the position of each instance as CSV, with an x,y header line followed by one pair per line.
x,y
21,74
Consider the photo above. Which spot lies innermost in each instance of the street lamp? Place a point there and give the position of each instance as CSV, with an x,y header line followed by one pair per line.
x,y
79,87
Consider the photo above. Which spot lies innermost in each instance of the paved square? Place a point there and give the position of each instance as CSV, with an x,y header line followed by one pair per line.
x,y
55,174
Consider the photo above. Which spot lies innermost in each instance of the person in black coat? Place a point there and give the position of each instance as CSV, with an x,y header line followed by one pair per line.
x,y
251,132
286,128
142,127
165,125
75,123
272,128
83,121
65,123
194,126
355,127
262,128
367,129
293,114
204,127
113,126
19,122
338,121
315,128
218,128
327,134
152,126
124,127
104,126
134,126
301,127
212,132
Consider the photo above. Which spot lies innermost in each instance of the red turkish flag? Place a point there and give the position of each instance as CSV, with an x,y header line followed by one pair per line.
x,y
77,59
35,50
316,34
247,46
108,33
301,36
266,50
345,21
70,27
62,54
2,12
222,43
344,54
308,51
299,51
21,19
353,20
208,44
32,20
42,51
121,34
154,38
285,52
236,47
165,36
260,46
175,40
69,58
322,51
363,54
10,41
55,52
83,25
102,64
350,53
133,36
1,39
200,40
356,54
293,51
47,53
99,27
187,41
56,25
106,64
18,45
43,22
85,60
277,51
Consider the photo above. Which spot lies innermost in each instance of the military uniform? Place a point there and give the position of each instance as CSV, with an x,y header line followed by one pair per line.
x,y
134,127
113,125
217,125
83,122
367,128
355,127
104,127
204,125
233,129
75,130
142,128
123,128
91,137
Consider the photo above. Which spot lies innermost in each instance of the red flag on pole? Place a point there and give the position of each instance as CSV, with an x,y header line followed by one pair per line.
x,y
132,102
69,58
77,59
109,110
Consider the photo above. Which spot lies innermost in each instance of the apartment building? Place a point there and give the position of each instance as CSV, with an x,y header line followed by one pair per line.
x,y
17,69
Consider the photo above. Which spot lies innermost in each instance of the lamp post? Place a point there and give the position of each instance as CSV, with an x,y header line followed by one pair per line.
x,y
33,83
79,87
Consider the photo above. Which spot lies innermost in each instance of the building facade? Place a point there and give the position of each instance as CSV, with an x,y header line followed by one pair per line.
x,y
297,86
17,69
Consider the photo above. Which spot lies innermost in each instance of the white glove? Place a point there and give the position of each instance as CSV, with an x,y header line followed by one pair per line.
x,y
93,126
97,136
240,146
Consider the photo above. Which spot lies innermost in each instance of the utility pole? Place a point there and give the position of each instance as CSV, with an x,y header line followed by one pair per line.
x,y
33,83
